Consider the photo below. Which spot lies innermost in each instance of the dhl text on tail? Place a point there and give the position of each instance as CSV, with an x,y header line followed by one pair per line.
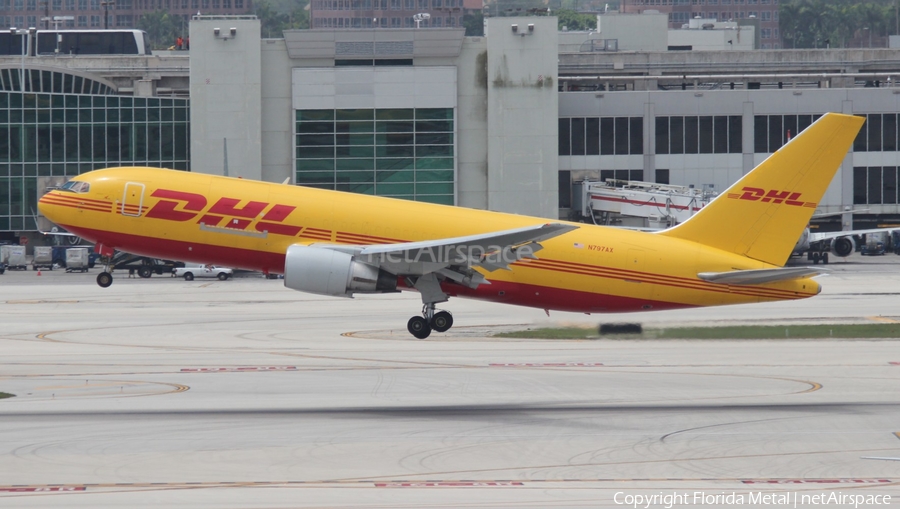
x,y
334,243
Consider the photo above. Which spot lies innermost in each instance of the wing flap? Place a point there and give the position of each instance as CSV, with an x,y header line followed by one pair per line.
x,y
759,276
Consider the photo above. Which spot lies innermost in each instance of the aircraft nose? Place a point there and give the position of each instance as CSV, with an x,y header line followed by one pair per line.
x,y
44,205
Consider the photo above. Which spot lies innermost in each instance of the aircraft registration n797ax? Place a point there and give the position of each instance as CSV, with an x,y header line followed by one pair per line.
x,y
335,243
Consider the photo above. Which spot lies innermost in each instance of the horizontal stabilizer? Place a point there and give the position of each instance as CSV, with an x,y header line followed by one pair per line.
x,y
759,276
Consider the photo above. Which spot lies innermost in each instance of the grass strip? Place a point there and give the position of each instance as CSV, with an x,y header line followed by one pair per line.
x,y
6,395
841,331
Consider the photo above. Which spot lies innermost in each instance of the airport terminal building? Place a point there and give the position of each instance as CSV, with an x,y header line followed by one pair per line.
x,y
504,122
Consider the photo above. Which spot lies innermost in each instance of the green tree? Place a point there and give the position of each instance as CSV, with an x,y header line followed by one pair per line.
x,y
576,21
474,24
162,30
276,16
840,23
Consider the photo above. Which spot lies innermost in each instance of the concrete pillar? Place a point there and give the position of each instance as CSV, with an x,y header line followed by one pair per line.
x,y
226,99
523,115
145,88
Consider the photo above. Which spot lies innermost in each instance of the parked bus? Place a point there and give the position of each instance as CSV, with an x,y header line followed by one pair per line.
x,y
75,42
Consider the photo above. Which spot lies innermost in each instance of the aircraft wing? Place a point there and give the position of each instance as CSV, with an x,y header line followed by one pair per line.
x,y
820,236
456,258
759,276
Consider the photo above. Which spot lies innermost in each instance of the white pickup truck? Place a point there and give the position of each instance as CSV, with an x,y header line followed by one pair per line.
x,y
207,271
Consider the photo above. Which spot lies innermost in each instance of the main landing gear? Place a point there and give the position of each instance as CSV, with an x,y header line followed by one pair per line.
x,y
421,326
430,289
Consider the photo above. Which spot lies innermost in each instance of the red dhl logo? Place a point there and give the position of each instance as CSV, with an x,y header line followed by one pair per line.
x,y
771,196
182,206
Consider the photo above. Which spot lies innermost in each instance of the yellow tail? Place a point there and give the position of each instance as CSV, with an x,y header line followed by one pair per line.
x,y
763,214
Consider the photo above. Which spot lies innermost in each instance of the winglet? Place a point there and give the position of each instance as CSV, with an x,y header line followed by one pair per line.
x,y
763,214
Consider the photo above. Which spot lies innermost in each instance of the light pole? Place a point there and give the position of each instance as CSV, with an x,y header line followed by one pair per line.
x,y
106,4
46,18
24,33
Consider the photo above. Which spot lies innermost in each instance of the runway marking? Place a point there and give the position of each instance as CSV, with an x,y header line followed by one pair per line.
x,y
88,385
241,369
131,384
449,484
547,365
818,481
43,489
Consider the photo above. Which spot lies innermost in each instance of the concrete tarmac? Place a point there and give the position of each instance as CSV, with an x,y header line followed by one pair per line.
x,y
162,392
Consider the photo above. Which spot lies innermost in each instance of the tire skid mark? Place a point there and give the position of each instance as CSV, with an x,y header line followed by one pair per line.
x,y
566,483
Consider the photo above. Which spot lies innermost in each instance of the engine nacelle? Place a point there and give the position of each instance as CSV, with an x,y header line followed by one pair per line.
x,y
329,272
843,246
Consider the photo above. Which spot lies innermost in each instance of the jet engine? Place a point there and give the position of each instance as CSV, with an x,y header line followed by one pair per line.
x,y
328,272
843,246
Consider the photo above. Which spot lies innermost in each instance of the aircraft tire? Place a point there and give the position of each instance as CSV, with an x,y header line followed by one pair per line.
x,y
188,276
825,258
104,279
418,327
441,321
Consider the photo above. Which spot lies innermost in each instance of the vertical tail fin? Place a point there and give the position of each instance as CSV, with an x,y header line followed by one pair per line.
x,y
763,214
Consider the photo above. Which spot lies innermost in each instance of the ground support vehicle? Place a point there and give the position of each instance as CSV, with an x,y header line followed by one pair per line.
x,y
204,271
77,259
43,258
872,249
142,265
14,257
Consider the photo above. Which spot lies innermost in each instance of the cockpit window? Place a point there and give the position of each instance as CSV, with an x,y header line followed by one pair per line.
x,y
74,186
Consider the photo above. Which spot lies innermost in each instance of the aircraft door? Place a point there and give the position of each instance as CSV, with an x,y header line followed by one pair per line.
x,y
133,199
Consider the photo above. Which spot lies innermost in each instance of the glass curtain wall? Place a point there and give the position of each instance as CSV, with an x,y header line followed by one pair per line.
x,y
401,153
45,135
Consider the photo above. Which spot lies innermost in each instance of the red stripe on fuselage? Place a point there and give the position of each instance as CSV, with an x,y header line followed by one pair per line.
x,y
184,251
80,206
520,294
557,299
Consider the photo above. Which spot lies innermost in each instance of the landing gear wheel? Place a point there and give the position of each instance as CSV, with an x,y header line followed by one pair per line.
x,y
145,272
441,321
418,327
824,258
815,258
104,279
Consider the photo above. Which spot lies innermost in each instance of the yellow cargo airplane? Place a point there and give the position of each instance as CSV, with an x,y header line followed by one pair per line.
x,y
334,243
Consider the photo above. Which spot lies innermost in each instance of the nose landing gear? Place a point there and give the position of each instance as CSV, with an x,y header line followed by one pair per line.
x,y
104,279
421,326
